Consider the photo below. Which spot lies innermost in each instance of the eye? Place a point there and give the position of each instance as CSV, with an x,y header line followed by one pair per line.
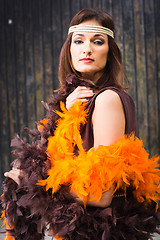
x,y
99,42
78,41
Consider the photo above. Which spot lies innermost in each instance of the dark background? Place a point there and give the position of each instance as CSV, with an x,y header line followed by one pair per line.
x,y
31,35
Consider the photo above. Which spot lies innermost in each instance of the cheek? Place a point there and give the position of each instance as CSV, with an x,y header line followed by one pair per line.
x,y
103,58
73,55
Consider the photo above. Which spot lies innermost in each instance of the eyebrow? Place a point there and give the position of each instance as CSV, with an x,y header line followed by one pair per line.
x,y
96,35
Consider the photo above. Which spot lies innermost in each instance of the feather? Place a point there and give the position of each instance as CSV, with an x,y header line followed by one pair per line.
x,y
42,124
91,173
7,237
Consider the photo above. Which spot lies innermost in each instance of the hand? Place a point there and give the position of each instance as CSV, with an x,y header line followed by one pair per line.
x,y
104,202
14,174
79,94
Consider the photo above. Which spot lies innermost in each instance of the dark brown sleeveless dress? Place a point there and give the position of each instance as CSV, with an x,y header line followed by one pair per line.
x,y
130,117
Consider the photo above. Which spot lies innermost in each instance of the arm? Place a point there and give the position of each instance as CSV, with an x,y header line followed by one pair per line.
x,y
108,125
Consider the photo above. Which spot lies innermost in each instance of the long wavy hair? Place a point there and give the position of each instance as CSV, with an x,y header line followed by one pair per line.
x,y
113,73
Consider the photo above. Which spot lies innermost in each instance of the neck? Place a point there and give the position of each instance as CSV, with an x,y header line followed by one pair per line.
x,y
93,77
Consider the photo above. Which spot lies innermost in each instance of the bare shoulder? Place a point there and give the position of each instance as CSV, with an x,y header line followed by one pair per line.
x,y
108,97
108,118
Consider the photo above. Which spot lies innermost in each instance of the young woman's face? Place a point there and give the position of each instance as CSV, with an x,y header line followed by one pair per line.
x,y
89,52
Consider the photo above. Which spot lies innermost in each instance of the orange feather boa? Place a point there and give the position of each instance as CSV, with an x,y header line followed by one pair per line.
x,y
91,173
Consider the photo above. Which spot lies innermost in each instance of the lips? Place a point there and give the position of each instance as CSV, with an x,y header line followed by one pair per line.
x,y
87,60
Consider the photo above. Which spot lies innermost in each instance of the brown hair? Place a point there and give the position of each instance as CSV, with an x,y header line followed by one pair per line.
x,y
113,74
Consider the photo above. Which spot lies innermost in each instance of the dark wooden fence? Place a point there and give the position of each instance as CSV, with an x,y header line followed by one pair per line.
x,y
31,35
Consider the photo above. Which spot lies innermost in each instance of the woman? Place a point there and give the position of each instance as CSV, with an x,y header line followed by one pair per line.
x,y
80,192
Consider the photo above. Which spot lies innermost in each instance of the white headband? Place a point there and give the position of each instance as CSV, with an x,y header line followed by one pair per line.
x,y
91,28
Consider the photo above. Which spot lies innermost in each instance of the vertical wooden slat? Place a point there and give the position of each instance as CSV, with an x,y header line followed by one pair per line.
x,y
4,97
128,42
9,128
134,87
151,77
9,59
18,48
145,73
33,65
2,87
107,6
15,67
75,7
56,38
2,76
156,29
42,51
117,22
53,81
65,18
97,4
30,83
38,56
85,4
140,66
121,16
24,89
46,39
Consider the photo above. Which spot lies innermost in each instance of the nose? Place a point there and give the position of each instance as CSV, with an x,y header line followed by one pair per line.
x,y
87,49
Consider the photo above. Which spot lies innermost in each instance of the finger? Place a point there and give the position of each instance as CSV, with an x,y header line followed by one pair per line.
x,y
84,94
87,91
69,104
79,93
78,100
70,101
13,174
84,100
80,89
